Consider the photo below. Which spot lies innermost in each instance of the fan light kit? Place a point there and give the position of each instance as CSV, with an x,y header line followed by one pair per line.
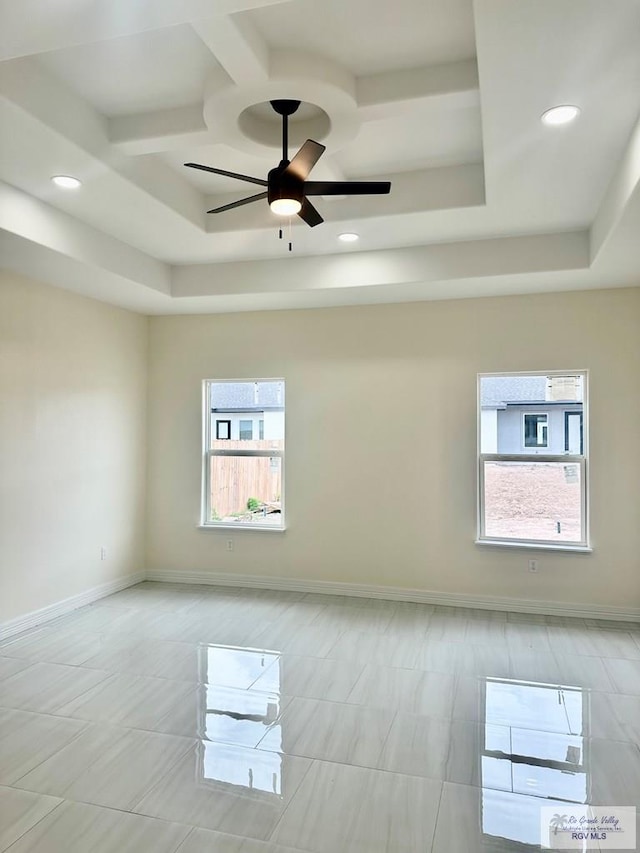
x,y
287,188
560,115
67,182
286,206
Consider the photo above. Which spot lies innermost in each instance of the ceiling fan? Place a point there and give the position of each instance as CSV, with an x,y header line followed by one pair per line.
x,y
288,189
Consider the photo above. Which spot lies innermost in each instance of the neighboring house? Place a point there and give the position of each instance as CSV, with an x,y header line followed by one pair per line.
x,y
531,414
247,411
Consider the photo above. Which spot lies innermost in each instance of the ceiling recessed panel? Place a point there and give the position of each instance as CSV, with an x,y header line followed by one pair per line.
x,y
446,105
421,140
140,73
370,37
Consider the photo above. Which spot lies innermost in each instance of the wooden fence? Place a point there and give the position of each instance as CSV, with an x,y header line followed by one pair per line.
x,y
235,479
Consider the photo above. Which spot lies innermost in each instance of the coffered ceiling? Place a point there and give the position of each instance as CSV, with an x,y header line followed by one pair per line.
x,y
441,97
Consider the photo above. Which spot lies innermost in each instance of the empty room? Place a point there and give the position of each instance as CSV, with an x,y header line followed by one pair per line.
x,y
319,426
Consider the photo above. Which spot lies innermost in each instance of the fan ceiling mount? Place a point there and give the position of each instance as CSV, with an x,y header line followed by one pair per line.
x,y
287,187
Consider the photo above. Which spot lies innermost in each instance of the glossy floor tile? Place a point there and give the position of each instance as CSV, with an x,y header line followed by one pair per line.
x,y
46,687
81,828
229,788
139,701
340,807
207,841
410,690
331,731
312,678
192,719
433,747
477,820
9,666
107,766
28,739
21,810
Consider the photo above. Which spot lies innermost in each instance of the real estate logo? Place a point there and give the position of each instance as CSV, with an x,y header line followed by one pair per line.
x,y
588,828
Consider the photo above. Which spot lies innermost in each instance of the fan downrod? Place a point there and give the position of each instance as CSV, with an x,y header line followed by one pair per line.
x,y
285,109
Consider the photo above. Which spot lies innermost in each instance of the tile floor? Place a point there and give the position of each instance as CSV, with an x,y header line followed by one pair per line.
x,y
213,720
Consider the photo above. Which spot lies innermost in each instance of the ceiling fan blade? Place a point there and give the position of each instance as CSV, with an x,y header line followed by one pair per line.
x,y
238,203
309,214
304,161
235,175
346,187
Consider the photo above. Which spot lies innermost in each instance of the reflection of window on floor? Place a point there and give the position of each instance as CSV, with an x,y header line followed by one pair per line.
x,y
233,719
532,754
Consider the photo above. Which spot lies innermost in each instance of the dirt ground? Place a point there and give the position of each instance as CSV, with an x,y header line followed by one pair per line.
x,y
528,501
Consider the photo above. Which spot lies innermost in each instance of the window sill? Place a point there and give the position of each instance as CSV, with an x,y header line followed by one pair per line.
x,y
263,528
535,546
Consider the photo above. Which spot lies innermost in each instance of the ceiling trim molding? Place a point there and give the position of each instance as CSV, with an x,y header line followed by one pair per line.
x,y
465,260
624,184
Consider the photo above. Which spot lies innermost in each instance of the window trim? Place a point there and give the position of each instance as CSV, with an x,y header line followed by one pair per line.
x,y
584,545
206,523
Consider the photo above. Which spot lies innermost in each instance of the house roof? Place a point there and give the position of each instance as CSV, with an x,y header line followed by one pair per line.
x,y
247,396
500,390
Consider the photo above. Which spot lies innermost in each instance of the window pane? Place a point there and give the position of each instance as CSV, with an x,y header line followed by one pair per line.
x,y
246,490
535,430
223,430
246,411
533,501
523,412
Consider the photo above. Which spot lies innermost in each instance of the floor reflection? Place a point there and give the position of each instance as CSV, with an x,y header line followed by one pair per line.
x,y
533,753
234,718
252,769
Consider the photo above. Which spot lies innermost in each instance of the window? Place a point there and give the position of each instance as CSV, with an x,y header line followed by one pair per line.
x,y
223,430
242,475
245,431
532,463
536,430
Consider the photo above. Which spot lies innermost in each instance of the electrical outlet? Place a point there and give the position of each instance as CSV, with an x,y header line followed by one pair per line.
x,y
533,565
229,544
103,552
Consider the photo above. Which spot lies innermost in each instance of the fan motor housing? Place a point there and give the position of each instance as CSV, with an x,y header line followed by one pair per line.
x,y
283,185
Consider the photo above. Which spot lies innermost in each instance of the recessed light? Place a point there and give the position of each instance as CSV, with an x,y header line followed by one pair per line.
x,y
66,182
348,237
560,115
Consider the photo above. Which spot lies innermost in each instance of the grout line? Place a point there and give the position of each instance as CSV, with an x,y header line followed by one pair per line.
x,y
437,817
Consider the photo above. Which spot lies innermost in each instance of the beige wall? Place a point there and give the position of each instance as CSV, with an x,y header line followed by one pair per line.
x,y
72,444
381,441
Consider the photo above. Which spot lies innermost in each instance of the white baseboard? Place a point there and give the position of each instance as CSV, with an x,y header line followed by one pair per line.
x,y
46,614
449,599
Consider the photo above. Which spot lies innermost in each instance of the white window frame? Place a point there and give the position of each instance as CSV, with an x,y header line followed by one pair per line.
x,y
536,457
208,452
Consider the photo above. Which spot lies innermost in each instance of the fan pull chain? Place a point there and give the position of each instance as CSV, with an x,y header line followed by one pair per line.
x,y
280,235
